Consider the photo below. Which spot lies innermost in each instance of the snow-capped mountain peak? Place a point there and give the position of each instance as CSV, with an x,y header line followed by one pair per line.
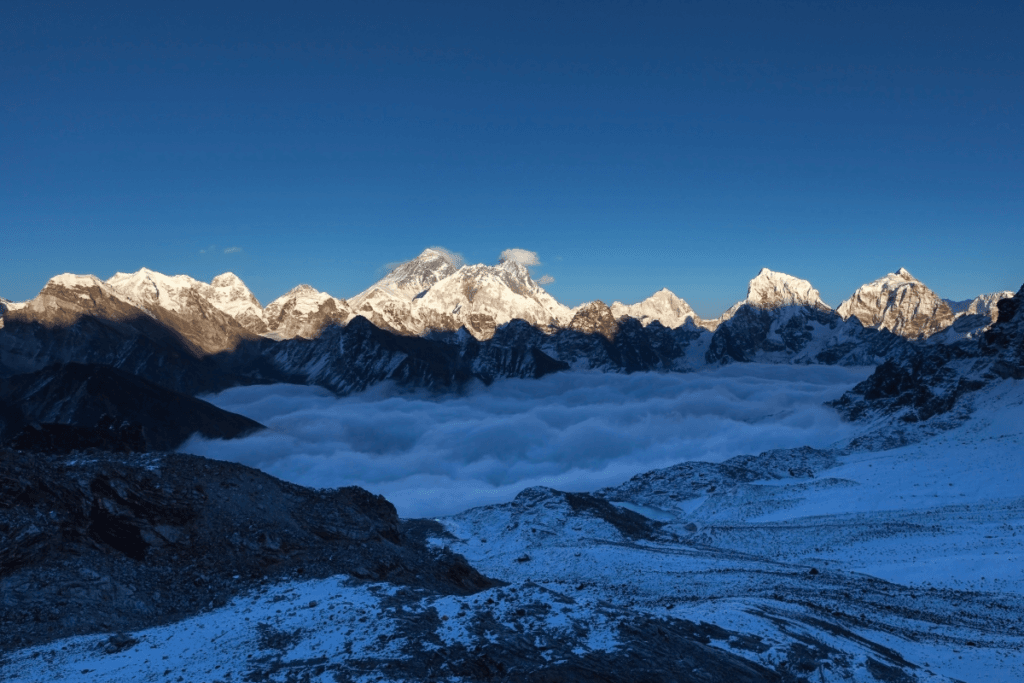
x,y
413,277
773,290
482,297
900,303
228,293
663,306
147,289
180,294
388,302
303,312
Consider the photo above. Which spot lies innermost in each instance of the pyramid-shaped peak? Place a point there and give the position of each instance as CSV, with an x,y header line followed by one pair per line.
x,y
302,289
433,253
905,274
226,280
771,289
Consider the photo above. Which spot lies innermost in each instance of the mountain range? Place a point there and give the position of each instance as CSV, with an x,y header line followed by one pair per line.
x,y
434,323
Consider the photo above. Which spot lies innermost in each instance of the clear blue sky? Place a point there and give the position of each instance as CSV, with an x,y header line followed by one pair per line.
x,y
634,146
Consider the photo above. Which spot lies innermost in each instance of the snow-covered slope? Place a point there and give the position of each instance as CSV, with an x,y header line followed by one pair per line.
x,y
480,298
898,563
388,303
430,294
202,313
775,290
228,293
304,312
663,306
900,303
182,295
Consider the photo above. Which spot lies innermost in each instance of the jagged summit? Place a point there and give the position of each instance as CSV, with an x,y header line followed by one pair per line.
x,y
413,277
388,302
773,290
663,306
482,297
900,303
185,295
304,312
595,317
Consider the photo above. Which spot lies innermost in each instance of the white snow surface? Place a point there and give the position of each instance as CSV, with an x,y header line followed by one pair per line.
x,y
663,306
150,290
773,290
429,293
503,292
983,304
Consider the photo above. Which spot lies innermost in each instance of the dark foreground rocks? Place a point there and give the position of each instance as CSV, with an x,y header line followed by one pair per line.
x,y
100,541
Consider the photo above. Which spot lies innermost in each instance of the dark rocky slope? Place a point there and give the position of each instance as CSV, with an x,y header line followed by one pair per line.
x,y
97,397
112,542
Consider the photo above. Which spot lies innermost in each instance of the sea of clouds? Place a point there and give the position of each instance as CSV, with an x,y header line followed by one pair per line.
x,y
577,431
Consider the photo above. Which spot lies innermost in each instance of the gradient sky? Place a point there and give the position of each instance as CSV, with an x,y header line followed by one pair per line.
x,y
634,146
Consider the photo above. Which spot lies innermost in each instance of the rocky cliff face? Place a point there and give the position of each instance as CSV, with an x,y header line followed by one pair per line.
x,y
899,303
595,318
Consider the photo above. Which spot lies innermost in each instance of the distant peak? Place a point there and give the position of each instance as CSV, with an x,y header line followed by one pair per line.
x,y
71,280
771,289
225,279
302,289
905,274
450,257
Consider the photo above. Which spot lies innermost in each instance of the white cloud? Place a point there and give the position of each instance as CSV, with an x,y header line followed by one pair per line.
x,y
545,280
572,431
232,250
452,257
520,256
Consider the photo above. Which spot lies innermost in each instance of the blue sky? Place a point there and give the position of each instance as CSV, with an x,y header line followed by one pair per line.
x,y
634,146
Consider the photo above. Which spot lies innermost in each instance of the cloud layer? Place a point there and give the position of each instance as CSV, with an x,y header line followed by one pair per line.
x,y
573,431
520,256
